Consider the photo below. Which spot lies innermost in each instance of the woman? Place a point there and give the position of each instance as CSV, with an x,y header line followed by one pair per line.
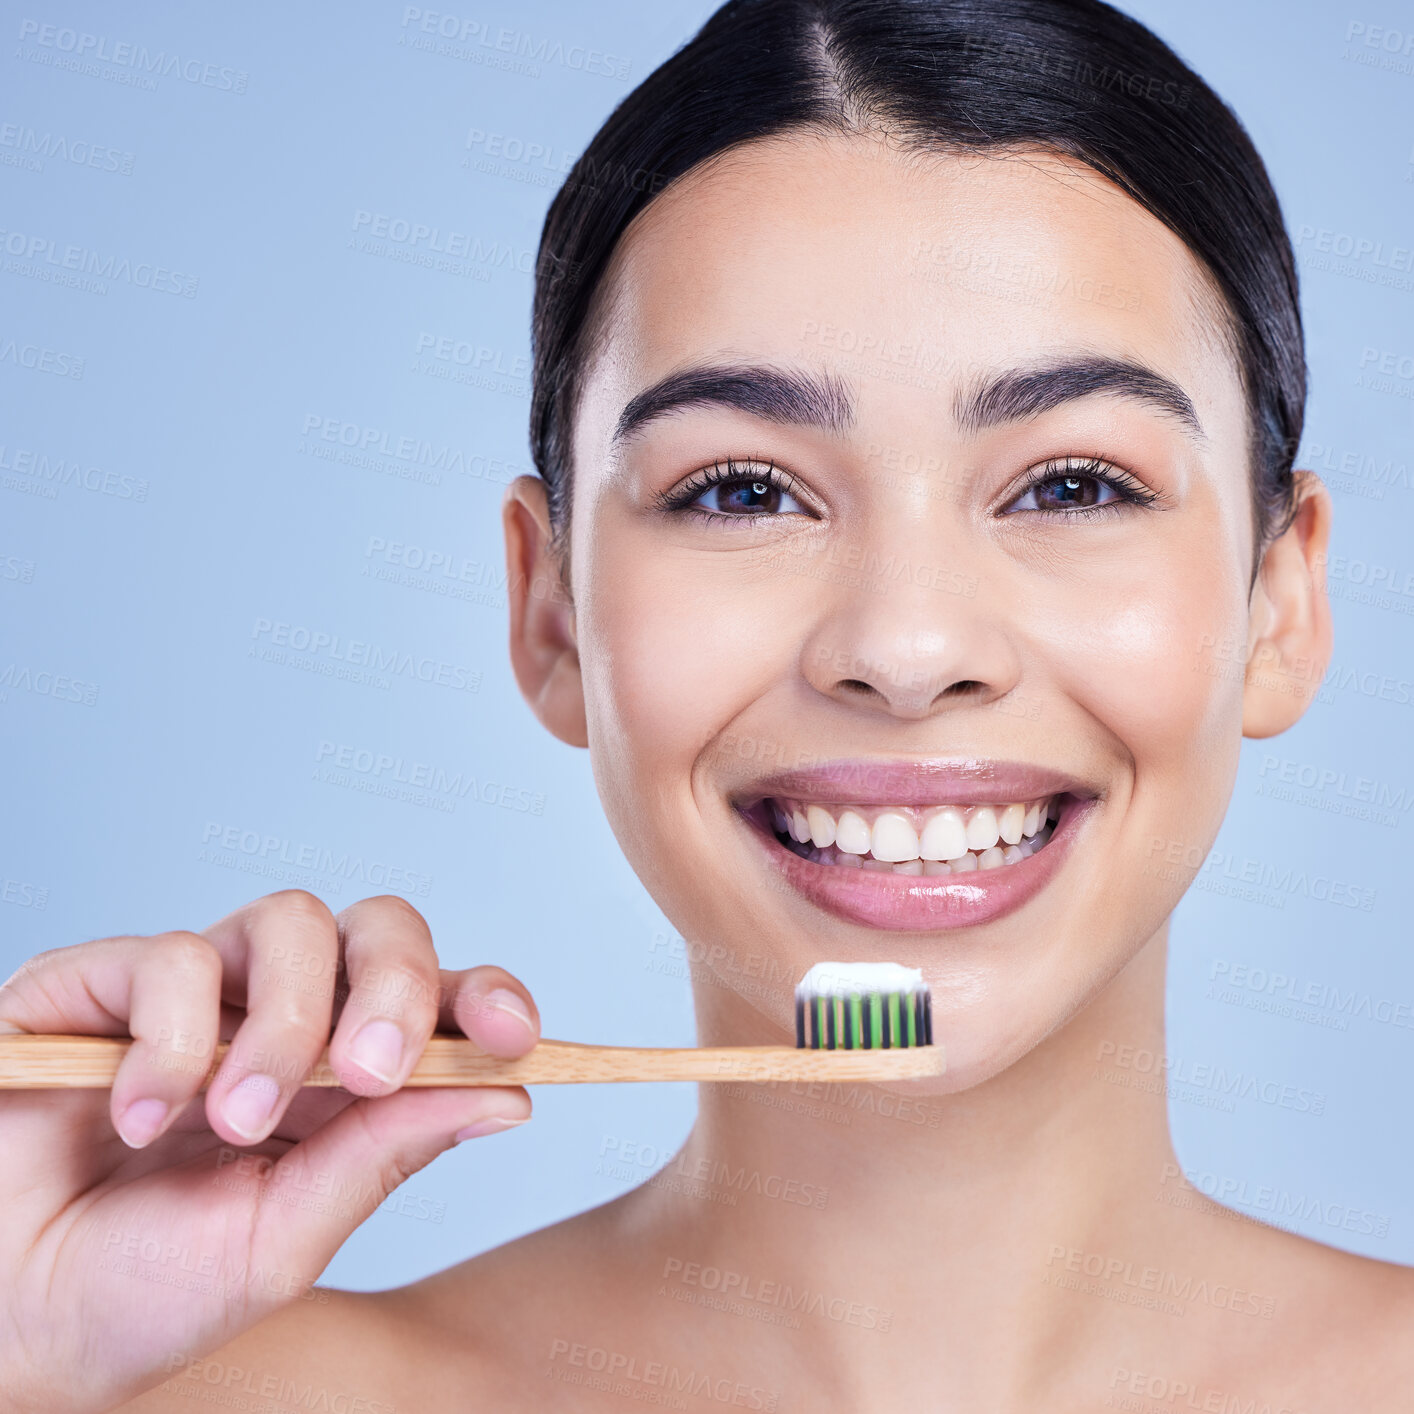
x,y
916,393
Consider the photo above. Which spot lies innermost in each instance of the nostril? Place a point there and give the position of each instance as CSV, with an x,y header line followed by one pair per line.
x,y
858,685
960,689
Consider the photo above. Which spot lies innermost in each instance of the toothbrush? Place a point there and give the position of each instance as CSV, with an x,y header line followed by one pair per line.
x,y
854,1021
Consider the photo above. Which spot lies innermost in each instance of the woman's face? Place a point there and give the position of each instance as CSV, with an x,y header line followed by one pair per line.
x,y
986,551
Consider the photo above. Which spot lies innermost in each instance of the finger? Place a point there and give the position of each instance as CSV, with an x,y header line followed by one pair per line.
x,y
164,991
74,991
273,942
362,1155
173,1015
391,1008
490,1006
289,962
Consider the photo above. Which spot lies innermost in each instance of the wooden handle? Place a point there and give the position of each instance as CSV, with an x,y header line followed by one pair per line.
x,y
29,1062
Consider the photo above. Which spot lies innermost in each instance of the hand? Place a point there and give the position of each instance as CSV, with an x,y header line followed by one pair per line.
x,y
150,1224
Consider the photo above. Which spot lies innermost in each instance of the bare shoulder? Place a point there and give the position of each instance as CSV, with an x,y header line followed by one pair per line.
x,y
1329,1326
478,1335
515,1301
329,1350
1363,1305
529,1322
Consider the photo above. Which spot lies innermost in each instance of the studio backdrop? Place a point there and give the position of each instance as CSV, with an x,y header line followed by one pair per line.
x,y
265,283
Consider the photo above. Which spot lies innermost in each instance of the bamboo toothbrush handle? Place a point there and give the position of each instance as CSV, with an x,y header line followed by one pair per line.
x,y
31,1062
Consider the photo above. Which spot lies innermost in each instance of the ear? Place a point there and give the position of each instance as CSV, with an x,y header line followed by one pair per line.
x,y
1289,644
544,654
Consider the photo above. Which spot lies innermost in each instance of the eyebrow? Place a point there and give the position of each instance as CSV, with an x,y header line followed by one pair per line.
x,y
1022,393
802,398
794,396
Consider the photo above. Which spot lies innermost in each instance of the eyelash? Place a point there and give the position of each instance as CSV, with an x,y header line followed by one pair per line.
x,y
682,497
1128,489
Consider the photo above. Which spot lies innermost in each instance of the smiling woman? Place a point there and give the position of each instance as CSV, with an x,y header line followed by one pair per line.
x,y
1096,460
907,441
1020,250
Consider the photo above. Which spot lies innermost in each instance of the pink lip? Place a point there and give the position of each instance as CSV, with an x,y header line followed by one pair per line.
x,y
918,783
913,903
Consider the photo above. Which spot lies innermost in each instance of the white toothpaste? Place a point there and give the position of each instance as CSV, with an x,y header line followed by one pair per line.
x,y
835,979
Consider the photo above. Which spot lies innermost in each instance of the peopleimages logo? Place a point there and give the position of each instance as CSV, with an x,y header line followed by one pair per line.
x,y
1206,1076
353,444
316,859
319,645
43,253
433,240
457,37
33,148
41,359
60,471
384,771
79,50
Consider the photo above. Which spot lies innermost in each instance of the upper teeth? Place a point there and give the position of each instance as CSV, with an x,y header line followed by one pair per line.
x,y
898,834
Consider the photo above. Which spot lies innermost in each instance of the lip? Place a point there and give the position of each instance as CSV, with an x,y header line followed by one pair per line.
x,y
912,903
865,782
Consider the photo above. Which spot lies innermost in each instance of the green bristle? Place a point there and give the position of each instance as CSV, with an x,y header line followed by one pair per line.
x,y
859,1016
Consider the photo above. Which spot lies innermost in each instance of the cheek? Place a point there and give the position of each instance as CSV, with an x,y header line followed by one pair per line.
x,y
1139,669
673,647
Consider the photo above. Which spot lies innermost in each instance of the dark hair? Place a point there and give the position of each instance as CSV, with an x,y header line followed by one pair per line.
x,y
1074,76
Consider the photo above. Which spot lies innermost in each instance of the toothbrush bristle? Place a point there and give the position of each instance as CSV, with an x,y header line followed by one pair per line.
x,y
862,1006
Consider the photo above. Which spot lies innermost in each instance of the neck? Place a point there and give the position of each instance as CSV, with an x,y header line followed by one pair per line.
x,y
985,1194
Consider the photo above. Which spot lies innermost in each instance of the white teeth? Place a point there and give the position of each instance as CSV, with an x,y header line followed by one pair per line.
x,y
954,839
852,833
982,828
822,825
944,836
894,839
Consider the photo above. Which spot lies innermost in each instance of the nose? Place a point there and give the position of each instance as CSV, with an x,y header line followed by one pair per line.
x,y
911,637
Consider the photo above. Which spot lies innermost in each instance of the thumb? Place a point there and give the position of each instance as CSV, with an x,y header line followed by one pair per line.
x,y
319,1191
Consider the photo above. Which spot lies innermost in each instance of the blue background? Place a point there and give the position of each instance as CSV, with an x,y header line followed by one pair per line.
x,y
194,488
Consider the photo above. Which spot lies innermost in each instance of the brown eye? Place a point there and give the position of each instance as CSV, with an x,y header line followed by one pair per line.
x,y
1067,491
746,495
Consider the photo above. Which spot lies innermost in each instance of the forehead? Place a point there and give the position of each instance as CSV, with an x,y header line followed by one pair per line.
x,y
910,273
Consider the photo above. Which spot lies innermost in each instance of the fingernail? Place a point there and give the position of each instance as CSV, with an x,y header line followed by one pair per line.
x,y
248,1107
510,1003
493,1125
138,1124
378,1049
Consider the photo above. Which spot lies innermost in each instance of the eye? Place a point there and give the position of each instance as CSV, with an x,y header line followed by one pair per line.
x,y
736,491
1079,487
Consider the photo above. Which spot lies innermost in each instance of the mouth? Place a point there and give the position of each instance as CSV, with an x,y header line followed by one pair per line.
x,y
914,840
923,846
